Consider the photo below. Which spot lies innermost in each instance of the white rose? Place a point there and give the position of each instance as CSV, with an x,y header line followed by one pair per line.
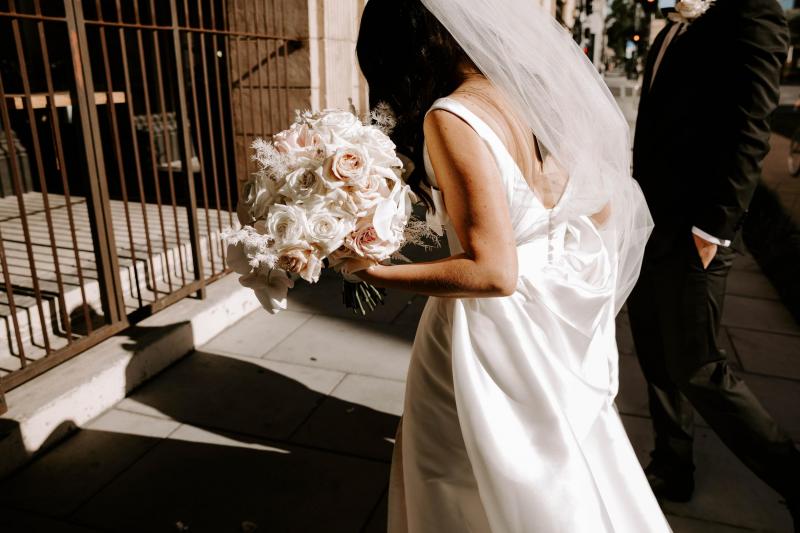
x,y
348,166
335,125
287,225
328,228
380,148
303,184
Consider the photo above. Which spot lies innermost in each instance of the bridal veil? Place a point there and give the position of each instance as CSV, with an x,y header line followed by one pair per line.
x,y
559,94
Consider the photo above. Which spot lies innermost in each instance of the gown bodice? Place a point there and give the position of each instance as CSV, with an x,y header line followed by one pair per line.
x,y
557,254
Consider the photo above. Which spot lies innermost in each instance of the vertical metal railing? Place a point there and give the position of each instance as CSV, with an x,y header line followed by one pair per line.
x,y
59,292
123,128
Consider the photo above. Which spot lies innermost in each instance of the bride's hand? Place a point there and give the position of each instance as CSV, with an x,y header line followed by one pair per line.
x,y
371,274
355,267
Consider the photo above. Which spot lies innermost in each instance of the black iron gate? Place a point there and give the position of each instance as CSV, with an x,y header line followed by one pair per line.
x,y
123,127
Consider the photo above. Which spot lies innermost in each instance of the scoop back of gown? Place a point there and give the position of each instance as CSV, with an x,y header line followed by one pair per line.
x,y
509,422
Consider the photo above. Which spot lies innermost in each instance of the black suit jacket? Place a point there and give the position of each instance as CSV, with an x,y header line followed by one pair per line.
x,y
702,129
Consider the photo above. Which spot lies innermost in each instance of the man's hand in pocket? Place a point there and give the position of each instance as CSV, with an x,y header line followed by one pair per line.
x,y
706,250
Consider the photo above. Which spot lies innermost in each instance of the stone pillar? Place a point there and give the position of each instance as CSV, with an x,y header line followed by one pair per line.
x,y
335,77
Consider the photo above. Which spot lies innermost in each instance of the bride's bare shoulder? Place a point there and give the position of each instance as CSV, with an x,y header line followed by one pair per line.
x,y
444,128
452,141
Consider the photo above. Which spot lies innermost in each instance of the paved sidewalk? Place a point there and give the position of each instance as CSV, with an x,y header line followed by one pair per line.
x,y
285,424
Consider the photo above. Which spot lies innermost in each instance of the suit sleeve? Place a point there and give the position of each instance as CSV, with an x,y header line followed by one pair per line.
x,y
759,52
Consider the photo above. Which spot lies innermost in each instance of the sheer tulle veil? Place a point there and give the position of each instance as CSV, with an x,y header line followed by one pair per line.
x,y
556,90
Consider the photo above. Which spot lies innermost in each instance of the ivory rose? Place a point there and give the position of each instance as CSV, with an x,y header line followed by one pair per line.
x,y
286,224
304,184
328,229
380,148
264,194
335,126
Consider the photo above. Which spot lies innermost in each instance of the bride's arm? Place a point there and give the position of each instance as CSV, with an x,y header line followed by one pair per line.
x,y
474,194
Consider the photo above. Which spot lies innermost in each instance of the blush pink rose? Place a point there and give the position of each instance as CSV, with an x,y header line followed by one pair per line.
x,y
348,166
365,242
302,262
299,140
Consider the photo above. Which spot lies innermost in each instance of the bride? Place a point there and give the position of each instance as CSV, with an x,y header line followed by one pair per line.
x,y
509,422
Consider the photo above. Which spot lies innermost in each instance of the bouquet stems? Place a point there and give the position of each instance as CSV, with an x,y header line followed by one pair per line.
x,y
361,297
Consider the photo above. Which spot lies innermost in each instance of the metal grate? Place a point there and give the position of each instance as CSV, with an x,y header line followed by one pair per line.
x,y
123,128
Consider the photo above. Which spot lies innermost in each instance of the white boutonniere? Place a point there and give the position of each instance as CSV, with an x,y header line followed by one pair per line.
x,y
689,10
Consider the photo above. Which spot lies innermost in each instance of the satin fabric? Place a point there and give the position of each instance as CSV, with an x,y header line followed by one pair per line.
x,y
509,421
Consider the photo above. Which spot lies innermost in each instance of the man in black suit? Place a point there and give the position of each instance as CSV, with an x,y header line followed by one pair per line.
x,y
710,85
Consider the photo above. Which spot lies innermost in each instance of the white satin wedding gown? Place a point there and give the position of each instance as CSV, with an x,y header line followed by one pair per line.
x,y
509,422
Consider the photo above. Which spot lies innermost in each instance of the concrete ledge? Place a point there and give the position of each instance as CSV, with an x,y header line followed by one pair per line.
x,y
45,410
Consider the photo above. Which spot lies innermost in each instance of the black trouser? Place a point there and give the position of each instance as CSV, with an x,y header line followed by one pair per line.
x,y
675,313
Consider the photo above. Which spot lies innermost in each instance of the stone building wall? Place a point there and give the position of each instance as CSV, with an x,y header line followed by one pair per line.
x,y
269,70
270,79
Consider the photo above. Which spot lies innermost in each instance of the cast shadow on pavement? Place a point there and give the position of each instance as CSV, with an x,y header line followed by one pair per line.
x,y
214,444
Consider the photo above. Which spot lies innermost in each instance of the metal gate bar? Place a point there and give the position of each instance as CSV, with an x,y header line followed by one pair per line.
x,y
124,213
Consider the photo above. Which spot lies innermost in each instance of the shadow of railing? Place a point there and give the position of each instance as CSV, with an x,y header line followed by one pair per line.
x,y
247,449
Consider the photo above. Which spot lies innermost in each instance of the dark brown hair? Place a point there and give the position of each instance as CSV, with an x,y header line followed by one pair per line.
x,y
409,61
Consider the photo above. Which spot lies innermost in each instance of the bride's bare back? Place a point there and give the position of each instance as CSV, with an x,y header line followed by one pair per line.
x,y
542,173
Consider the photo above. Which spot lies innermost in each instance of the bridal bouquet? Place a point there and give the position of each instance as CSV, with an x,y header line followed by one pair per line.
x,y
329,188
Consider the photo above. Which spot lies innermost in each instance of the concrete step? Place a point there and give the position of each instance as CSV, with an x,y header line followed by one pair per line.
x,y
146,254
45,410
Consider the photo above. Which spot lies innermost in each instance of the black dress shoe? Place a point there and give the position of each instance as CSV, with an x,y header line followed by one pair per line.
x,y
669,483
